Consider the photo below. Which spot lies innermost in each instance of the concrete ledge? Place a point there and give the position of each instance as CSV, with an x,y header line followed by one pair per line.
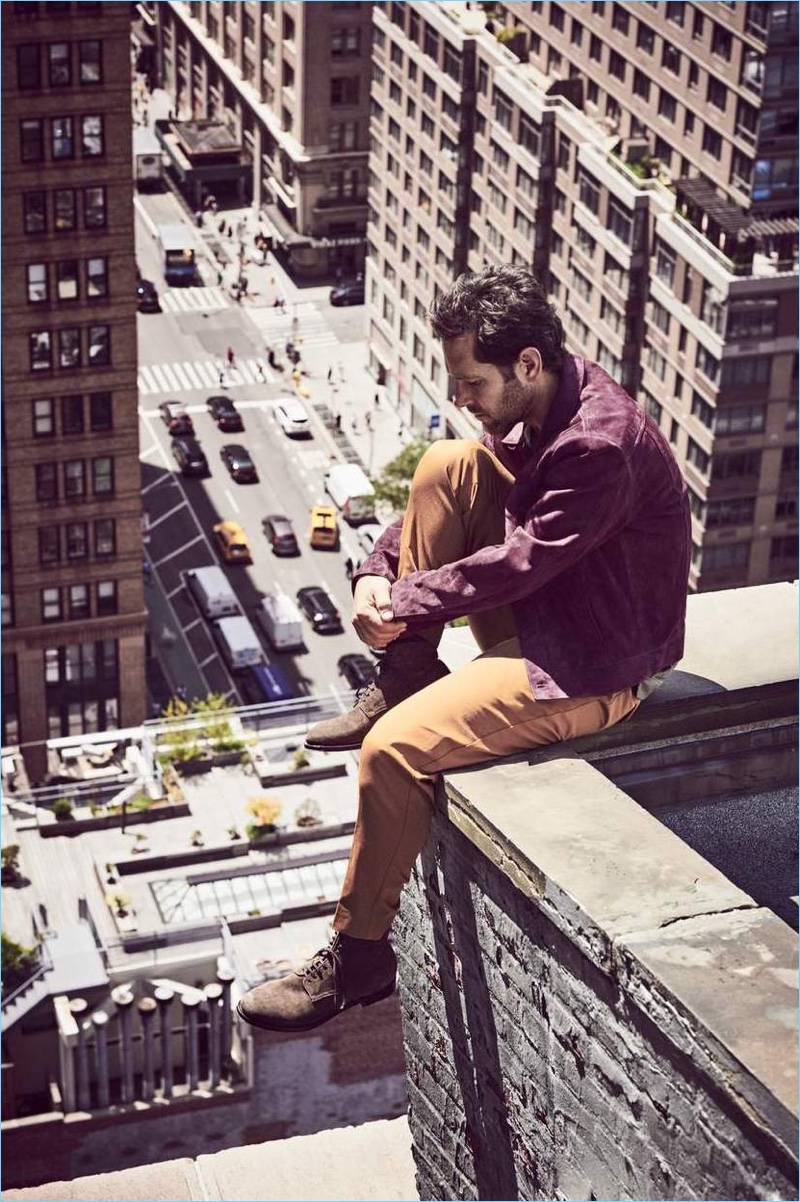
x,y
176,1180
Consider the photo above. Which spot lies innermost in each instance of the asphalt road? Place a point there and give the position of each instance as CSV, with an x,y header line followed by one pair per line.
x,y
182,511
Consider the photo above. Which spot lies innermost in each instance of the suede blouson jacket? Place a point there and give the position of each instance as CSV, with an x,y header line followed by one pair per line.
x,y
595,561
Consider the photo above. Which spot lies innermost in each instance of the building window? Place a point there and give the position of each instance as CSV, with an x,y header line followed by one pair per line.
x,y
697,456
69,348
76,541
712,142
717,93
557,17
90,59
725,556
619,19
615,273
666,105
64,209
641,85
595,48
29,67
665,263
74,479
67,279
96,277
670,58
526,185
58,64
343,135
344,42
752,319
741,419
529,135
99,345
786,505
737,466
660,317
31,135
721,42
783,550
40,348
92,142
62,138
656,362
620,221
46,476
103,476
645,38
34,212
503,111
78,595
430,42
51,604
37,283
49,547
94,208
748,371
72,414
451,63
616,65
589,192
105,537
702,410
44,421
344,90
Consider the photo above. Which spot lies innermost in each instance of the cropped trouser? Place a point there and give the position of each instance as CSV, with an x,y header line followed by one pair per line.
x,y
482,710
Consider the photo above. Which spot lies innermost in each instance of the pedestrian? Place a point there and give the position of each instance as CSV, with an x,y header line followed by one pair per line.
x,y
341,372
354,425
297,377
271,357
289,348
221,378
377,400
229,231
198,217
349,567
221,225
330,375
260,371
230,356
564,535
368,420
219,277
145,116
337,421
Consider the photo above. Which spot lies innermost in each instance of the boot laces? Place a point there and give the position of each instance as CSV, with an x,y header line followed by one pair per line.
x,y
327,962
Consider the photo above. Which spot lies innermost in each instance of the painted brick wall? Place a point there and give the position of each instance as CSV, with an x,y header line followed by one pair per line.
x,y
532,1070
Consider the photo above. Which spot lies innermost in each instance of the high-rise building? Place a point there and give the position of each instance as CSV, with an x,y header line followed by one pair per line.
x,y
73,610
642,158
292,81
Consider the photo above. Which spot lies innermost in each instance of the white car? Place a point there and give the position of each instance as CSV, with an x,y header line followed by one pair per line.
x,y
368,535
292,418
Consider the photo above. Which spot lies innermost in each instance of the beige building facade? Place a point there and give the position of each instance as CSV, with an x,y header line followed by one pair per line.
x,y
73,611
642,158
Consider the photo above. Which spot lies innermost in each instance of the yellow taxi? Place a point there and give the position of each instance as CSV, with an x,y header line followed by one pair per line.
x,y
232,542
323,530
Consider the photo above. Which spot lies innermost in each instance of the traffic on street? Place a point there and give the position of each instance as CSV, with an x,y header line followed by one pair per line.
x,y
234,446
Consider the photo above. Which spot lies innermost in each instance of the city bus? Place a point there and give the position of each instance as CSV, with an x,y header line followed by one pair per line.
x,y
177,250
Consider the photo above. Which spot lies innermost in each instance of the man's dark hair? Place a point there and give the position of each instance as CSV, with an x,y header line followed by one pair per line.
x,y
506,309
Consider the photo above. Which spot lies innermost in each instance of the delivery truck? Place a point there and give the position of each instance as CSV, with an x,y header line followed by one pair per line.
x,y
212,592
238,642
147,162
350,490
281,621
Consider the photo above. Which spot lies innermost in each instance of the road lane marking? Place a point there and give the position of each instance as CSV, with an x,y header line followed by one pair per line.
x,y
234,506
168,514
179,550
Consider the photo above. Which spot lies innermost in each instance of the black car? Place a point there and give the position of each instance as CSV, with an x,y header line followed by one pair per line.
x,y
319,609
280,534
147,297
349,292
224,413
238,462
358,670
189,457
175,417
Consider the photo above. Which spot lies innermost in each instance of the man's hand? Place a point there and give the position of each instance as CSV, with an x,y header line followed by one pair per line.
x,y
373,619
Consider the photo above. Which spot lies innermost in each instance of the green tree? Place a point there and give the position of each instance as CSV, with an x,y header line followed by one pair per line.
x,y
393,483
18,963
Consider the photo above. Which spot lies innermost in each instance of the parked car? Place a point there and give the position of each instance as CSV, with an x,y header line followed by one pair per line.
x,y
189,456
348,292
323,528
292,418
358,670
280,534
238,462
224,413
320,610
368,535
175,417
147,297
232,542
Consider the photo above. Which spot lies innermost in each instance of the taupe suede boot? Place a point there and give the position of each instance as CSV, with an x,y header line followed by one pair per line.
x,y
348,972
407,665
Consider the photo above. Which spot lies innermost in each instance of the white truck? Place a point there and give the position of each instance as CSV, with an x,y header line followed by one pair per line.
x,y
350,490
147,161
211,590
238,643
281,621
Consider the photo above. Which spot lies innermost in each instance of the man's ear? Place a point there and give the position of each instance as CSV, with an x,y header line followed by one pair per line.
x,y
529,363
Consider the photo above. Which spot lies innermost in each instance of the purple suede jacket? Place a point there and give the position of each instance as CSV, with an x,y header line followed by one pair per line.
x,y
595,561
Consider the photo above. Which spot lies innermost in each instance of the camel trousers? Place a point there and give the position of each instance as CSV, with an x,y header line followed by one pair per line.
x,y
482,710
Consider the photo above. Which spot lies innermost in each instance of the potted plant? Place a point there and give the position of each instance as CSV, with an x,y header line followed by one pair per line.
x,y
9,856
196,839
266,811
140,841
300,759
119,901
234,832
62,808
308,813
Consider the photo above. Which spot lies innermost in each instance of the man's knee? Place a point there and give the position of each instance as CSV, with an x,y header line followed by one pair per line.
x,y
447,452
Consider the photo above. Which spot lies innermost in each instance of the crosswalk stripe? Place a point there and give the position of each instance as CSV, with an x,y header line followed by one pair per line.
x,y
170,374
161,380
181,374
193,300
190,371
190,376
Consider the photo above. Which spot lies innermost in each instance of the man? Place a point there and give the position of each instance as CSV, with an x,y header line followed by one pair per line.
x,y
564,535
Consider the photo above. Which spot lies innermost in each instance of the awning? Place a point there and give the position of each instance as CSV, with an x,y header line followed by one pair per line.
x,y
774,227
351,240
284,228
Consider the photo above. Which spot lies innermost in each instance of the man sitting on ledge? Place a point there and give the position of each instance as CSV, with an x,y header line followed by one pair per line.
x,y
563,534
